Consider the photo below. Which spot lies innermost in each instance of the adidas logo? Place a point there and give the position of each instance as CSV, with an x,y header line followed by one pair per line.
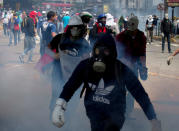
x,y
101,99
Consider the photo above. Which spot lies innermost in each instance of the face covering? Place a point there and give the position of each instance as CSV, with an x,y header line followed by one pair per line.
x,y
133,23
101,57
166,16
75,31
102,22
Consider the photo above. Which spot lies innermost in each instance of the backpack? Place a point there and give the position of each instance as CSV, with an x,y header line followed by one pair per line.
x,y
16,27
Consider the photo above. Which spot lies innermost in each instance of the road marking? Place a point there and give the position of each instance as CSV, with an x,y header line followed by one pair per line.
x,y
159,44
11,66
164,75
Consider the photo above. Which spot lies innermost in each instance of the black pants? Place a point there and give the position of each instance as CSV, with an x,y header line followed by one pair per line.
x,y
166,35
103,122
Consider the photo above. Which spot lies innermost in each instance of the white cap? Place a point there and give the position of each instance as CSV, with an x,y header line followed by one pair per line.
x,y
75,20
43,12
67,13
150,16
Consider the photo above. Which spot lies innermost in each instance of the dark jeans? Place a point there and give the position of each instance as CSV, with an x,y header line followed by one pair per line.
x,y
19,36
15,36
42,47
166,35
129,98
5,29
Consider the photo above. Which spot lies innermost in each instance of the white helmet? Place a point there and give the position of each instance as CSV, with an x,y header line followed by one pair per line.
x,y
75,20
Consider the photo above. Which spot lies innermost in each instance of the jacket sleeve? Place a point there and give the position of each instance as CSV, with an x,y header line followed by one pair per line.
x,y
136,89
73,83
162,26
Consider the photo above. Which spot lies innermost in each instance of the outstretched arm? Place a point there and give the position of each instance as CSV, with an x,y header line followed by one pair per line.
x,y
170,58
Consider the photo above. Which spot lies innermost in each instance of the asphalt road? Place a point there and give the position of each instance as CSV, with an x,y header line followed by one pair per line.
x,y
25,95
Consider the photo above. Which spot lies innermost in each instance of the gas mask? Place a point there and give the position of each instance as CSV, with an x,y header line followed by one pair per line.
x,y
133,23
75,31
101,56
102,22
166,16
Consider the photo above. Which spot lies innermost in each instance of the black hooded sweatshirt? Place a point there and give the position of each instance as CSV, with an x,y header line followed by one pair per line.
x,y
108,98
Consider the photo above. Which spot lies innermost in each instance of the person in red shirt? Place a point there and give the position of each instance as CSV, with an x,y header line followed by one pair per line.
x,y
131,46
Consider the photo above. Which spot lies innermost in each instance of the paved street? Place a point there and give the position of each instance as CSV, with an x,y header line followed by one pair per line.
x,y
25,95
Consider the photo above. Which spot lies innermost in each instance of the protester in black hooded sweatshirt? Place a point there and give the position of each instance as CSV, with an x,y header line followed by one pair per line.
x,y
104,78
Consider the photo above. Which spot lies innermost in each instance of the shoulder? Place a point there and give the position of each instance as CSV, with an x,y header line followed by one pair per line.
x,y
84,64
121,35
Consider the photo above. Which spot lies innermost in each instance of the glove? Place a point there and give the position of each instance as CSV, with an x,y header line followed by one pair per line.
x,y
162,34
58,113
156,125
169,60
143,71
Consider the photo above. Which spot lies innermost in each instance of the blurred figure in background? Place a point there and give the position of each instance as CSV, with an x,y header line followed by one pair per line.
x,y
98,29
66,19
175,26
30,33
166,30
20,22
149,28
155,22
49,31
121,24
5,24
131,47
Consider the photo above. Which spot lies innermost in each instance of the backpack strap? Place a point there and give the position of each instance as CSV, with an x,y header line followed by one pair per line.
x,y
85,86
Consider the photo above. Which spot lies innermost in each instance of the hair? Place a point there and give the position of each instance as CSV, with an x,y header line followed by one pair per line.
x,y
50,14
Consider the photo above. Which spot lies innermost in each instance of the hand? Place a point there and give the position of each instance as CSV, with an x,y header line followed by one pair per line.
x,y
169,60
156,125
162,34
58,113
57,56
143,71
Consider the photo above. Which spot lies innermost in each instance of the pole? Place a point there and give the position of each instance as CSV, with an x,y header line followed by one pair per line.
x,y
173,14
165,7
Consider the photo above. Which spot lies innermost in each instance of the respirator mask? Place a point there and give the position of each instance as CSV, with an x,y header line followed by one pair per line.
x,y
133,23
101,57
75,31
102,22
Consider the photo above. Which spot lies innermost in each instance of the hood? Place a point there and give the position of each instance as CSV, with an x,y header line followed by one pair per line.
x,y
108,41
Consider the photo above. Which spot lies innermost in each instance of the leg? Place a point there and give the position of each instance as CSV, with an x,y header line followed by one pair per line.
x,y
26,49
151,35
10,37
148,36
32,47
19,36
168,40
4,28
15,37
163,43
